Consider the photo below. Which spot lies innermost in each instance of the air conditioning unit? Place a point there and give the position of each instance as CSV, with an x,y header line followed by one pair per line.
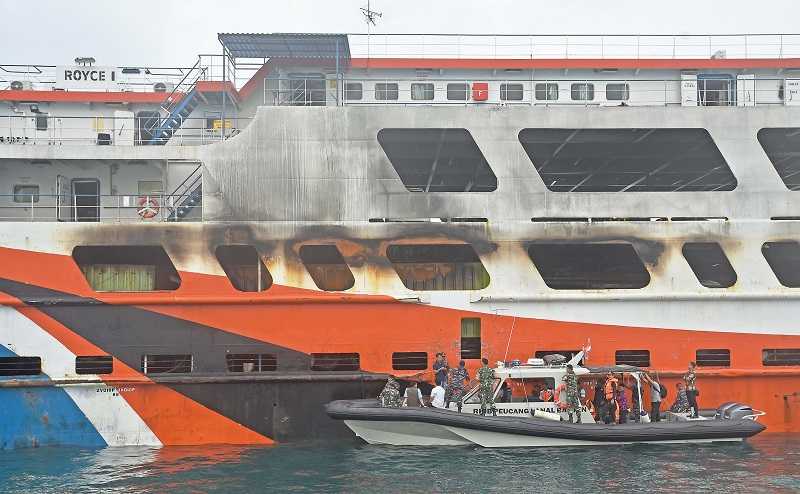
x,y
163,87
21,85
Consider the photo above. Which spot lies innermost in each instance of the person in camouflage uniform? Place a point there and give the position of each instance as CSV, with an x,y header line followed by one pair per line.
x,y
455,386
571,389
486,380
390,395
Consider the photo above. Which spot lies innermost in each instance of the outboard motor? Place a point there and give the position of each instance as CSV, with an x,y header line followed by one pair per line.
x,y
554,359
733,411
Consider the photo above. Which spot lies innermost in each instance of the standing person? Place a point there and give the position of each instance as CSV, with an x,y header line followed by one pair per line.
x,y
691,389
413,396
622,405
610,395
455,388
485,377
573,401
681,403
655,398
440,368
390,395
636,407
437,396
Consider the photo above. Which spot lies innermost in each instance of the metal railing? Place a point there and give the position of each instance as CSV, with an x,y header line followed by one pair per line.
x,y
536,91
635,46
113,131
97,208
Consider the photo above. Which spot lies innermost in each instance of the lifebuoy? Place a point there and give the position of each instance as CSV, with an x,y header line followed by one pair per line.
x,y
148,207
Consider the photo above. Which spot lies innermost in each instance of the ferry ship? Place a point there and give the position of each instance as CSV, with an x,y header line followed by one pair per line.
x,y
210,253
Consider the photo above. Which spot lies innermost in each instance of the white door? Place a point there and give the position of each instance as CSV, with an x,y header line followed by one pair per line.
x,y
688,90
791,92
746,90
123,128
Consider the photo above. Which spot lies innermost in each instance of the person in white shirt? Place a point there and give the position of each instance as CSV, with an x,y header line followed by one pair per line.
x,y
437,397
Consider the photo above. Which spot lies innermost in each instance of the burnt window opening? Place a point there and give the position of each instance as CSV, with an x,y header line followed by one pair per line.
x,y
782,146
126,268
94,364
627,160
251,362
586,266
511,92
409,360
470,338
716,357
244,268
327,267
710,264
636,358
335,362
437,160
438,266
457,91
167,364
386,91
422,91
784,260
20,366
773,357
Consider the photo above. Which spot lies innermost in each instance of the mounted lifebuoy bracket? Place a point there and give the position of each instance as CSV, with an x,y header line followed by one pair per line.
x,y
148,207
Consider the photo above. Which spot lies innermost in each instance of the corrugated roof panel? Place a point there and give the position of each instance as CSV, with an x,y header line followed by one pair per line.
x,y
286,45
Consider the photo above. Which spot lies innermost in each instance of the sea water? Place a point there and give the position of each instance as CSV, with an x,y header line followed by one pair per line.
x,y
769,463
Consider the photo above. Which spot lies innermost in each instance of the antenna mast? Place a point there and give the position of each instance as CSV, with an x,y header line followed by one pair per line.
x,y
371,18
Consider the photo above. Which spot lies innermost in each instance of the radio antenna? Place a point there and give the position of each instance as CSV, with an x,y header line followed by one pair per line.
x,y
371,18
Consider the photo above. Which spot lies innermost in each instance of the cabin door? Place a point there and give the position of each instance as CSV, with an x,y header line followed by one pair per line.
x,y
86,199
63,199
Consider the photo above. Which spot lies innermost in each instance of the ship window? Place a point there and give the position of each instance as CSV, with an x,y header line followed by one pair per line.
x,y
618,92
327,267
710,264
582,91
438,266
386,91
20,366
409,360
150,187
782,146
166,364
457,91
353,91
627,160
784,260
335,362
244,268
566,266
251,362
41,121
126,268
26,193
713,358
511,92
96,364
437,160
422,91
780,356
470,338
546,91
636,358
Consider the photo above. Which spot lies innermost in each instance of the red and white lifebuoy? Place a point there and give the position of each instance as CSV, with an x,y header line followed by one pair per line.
x,y
148,207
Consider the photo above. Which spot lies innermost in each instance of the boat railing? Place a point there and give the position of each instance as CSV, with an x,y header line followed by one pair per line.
x,y
107,208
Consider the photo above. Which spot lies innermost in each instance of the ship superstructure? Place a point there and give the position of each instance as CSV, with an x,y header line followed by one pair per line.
x,y
210,253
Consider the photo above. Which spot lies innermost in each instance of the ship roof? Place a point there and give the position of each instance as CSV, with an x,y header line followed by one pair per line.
x,y
286,45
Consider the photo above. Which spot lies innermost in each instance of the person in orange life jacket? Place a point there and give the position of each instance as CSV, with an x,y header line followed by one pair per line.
x,y
546,394
610,394
691,389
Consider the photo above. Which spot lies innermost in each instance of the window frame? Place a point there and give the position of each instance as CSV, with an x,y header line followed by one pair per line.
x,y
631,361
505,91
428,91
383,91
398,364
474,347
624,91
698,270
581,88
543,88
453,91
348,92
701,359
93,364
19,196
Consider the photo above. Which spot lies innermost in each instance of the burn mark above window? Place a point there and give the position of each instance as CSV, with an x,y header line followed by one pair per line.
x,y
627,160
244,268
438,266
782,146
710,264
784,260
579,266
437,160
327,267
126,268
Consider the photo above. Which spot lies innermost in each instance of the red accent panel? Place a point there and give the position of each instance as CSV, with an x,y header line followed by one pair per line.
x,y
253,83
576,63
480,91
218,87
84,96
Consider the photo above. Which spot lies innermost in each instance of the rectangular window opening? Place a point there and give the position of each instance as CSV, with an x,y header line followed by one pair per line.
x,y
353,91
773,357
126,268
582,91
244,267
636,358
41,121
20,366
386,91
579,266
167,364
512,92
251,362
618,92
422,91
328,362
470,338
327,267
409,360
26,194
95,364
710,264
438,266
784,261
718,357
546,91
782,146
457,91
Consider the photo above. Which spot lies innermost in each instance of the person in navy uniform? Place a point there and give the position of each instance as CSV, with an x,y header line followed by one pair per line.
x,y
573,401
486,379
455,386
